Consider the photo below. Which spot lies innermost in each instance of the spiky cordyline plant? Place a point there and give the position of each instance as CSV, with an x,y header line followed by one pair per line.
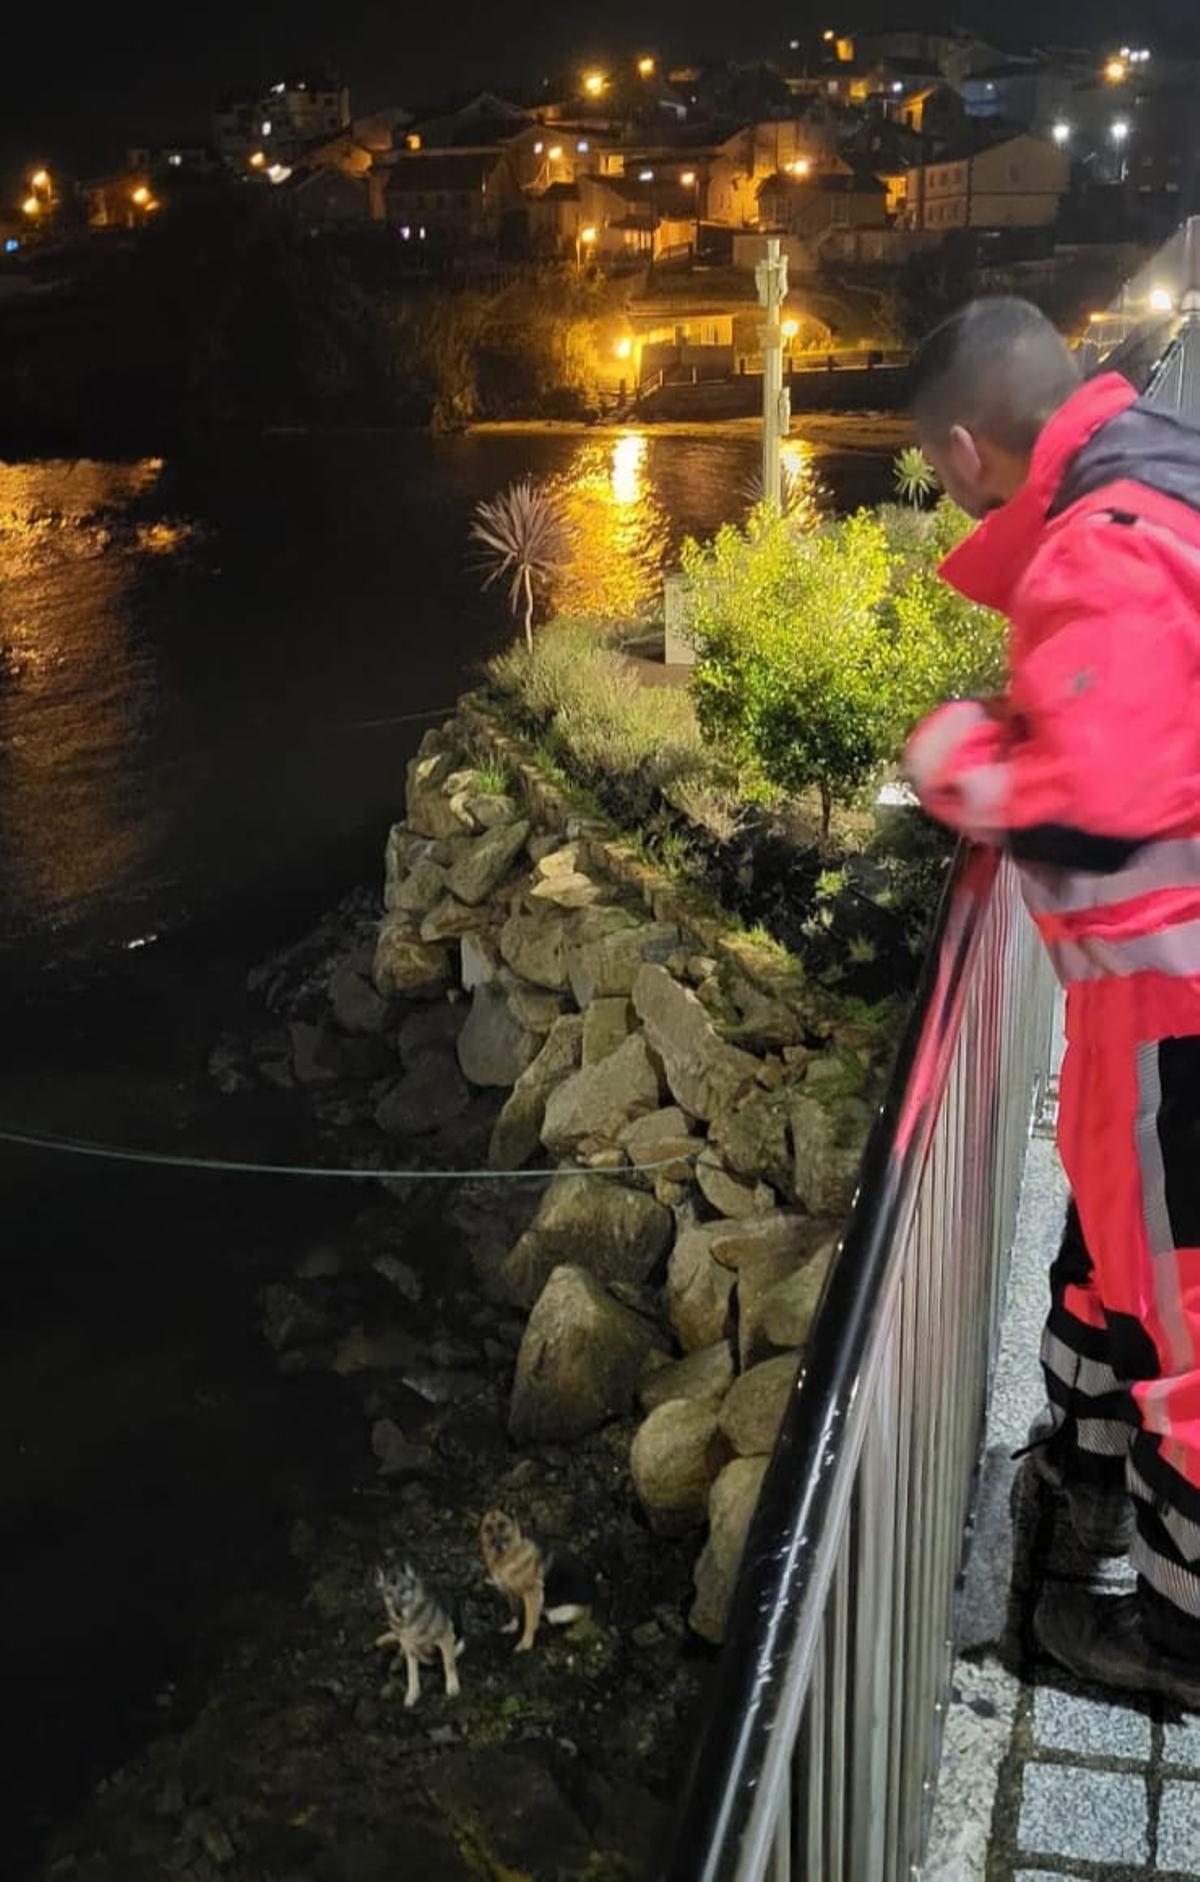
x,y
525,539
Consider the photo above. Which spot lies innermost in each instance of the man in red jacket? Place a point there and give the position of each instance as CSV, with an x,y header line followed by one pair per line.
x,y
1087,769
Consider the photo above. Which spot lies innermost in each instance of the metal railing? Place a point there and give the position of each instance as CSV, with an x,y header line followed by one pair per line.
x,y
823,1729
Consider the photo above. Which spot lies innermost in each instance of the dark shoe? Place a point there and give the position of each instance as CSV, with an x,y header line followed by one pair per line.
x,y
1102,1638
1103,1520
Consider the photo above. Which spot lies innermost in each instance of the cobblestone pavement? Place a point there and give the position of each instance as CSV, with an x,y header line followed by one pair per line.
x,y
1043,1780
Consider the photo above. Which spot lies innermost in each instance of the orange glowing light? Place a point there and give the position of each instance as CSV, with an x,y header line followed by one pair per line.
x,y
258,160
646,68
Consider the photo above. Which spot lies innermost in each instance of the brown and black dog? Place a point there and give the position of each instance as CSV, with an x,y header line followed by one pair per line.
x,y
535,1583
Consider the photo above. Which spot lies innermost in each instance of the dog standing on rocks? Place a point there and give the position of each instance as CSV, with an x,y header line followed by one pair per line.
x,y
536,1584
418,1627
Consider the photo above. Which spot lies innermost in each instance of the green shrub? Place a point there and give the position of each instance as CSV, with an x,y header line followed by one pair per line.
x,y
817,649
586,705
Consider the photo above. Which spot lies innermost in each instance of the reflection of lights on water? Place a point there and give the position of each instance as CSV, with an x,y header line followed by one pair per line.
x,y
628,460
619,531
804,493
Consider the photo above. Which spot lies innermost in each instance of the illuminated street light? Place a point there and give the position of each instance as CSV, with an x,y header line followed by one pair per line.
x,y
1061,133
645,176
646,68
687,178
1161,301
31,206
790,329
1116,71
554,153
588,236
800,167
594,83
40,180
1120,130
623,348
829,35
140,196
258,161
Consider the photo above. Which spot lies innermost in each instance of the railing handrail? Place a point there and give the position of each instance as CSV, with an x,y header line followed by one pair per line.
x,y
753,1708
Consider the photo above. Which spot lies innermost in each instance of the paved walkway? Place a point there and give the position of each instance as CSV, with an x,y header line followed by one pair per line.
x,y
1042,1779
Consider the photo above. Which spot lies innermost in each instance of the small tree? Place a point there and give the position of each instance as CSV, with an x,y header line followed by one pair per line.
x,y
793,674
525,539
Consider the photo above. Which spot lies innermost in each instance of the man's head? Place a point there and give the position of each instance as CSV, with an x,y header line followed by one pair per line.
x,y
982,386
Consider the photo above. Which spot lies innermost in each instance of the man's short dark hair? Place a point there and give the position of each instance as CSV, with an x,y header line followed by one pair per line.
x,y
997,367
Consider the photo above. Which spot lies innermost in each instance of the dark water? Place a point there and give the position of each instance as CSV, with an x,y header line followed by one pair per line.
x,y
191,656
188,651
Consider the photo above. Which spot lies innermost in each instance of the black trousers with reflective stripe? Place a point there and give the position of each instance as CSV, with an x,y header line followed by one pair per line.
x,y
1099,1441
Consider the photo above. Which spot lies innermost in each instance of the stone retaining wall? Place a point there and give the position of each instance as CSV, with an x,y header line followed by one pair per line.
x,y
702,1110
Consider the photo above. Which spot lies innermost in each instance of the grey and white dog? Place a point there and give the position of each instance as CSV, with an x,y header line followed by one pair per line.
x,y
418,1627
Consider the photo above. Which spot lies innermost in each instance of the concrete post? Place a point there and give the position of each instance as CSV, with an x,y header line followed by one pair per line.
x,y
771,277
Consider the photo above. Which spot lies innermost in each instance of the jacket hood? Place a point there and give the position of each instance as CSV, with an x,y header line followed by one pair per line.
x,y
988,565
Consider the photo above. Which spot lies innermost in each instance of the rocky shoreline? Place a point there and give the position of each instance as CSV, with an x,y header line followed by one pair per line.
x,y
602,1341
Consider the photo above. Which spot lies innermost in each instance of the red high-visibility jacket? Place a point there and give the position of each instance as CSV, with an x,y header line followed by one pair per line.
x,y
1087,767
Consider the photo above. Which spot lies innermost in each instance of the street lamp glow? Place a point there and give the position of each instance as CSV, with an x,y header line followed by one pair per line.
x,y
258,160
645,176
1161,300
587,236
646,68
554,152
800,167
687,178
790,329
1116,71
1120,130
594,83
140,196
31,206
1061,133
623,347
829,35
40,180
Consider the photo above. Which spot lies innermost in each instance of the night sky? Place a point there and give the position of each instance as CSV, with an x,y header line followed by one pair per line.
x,y
82,81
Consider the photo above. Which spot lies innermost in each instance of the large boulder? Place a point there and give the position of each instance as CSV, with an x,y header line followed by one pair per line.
x,y
493,1049
488,809
661,1141
753,1411
608,951
431,1094
599,1100
430,812
535,1008
754,1140
573,890
483,866
451,919
787,1308
829,1135
357,1007
704,1074
421,890
675,1457
607,1024
731,1503
782,1232
579,1363
758,1276
404,964
429,1028
698,1290
535,947
518,1129
479,960
707,1375
590,1222
731,1195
